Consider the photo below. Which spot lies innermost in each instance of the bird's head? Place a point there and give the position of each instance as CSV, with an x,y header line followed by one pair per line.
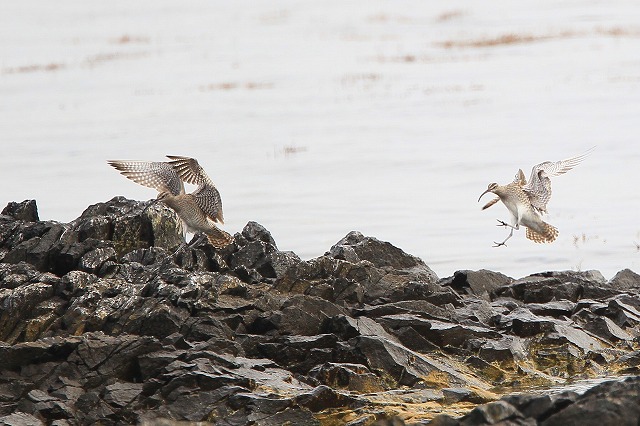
x,y
491,188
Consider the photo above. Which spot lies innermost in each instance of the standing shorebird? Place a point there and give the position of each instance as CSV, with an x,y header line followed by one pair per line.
x,y
199,211
527,201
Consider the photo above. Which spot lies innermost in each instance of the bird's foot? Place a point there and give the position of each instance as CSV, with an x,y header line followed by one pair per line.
x,y
499,244
197,240
182,247
503,223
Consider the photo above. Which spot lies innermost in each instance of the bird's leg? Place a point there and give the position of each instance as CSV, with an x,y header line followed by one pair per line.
x,y
192,244
201,237
505,240
506,225
181,248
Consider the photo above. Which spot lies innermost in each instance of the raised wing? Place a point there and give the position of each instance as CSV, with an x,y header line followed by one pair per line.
x,y
539,187
520,179
160,176
206,196
190,170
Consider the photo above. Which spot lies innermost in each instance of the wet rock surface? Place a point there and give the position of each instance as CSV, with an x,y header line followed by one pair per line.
x,y
106,320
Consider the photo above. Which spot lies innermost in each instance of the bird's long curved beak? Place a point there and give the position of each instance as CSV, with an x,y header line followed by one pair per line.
x,y
482,194
151,203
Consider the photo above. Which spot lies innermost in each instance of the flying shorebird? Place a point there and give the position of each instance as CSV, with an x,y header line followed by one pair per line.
x,y
199,211
527,201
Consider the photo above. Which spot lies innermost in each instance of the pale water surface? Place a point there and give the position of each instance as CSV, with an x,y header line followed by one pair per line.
x,y
318,118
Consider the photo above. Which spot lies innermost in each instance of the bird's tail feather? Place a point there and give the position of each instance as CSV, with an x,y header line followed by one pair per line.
x,y
219,238
547,234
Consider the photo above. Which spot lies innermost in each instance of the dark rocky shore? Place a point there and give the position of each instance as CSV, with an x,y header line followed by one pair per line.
x,y
101,324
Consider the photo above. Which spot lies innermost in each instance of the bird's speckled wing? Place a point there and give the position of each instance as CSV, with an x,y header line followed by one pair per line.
x,y
190,170
207,196
520,179
539,187
208,199
160,176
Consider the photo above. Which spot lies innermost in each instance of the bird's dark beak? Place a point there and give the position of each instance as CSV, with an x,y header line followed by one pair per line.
x,y
482,194
151,203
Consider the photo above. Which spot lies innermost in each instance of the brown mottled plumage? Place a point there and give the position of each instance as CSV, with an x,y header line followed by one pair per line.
x,y
527,201
200,210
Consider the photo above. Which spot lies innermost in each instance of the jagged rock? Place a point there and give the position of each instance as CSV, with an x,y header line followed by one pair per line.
x,y
26,210
44,350
498,412
300,353
504,349
407,367
453,395
92,261
323,397
444,420
602,326
304,315
20,419
581,277
36,243
555,308
28,311
625,280
121,394
398,321
489,372
358,269
253,231
102,321
592,283
479,312
609,403
540,289
117,224
346,327
128,227
91,408
352,377
258,256
421,308
412,339
625,311
564,332
355,247
540,407
45,405
456,335
523,323
262,410
482,283
632,363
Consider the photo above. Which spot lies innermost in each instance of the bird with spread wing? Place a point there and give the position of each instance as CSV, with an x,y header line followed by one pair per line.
x,y
200,210
526,201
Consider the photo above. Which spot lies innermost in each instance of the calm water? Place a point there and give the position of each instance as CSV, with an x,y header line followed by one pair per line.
x,y
318,118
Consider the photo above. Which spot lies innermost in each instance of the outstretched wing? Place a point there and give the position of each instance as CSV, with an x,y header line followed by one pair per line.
x,y
160,176
206,196
520,179
539,187
190,170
